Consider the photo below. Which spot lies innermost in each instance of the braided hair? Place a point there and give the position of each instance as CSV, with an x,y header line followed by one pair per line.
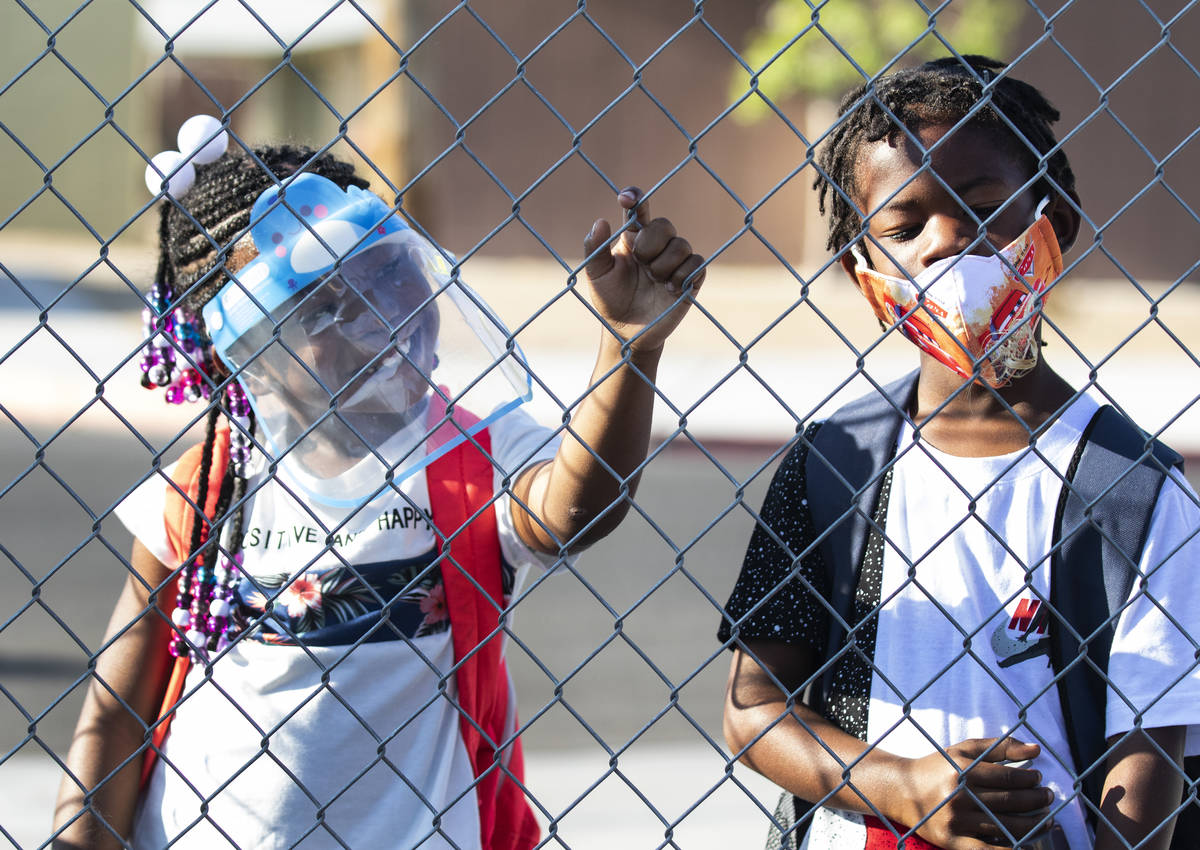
x,y
943,91
197,236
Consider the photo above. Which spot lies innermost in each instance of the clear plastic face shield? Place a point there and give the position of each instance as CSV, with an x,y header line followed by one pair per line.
x,y
360,352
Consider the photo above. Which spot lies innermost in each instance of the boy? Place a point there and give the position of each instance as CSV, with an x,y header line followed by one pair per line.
x,y
940,712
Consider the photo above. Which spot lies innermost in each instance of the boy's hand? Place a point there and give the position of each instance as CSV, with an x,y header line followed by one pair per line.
x,y
642,284
967,804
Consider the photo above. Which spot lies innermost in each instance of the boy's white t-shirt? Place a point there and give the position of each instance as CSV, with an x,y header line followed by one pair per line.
x,y
288,745
966,564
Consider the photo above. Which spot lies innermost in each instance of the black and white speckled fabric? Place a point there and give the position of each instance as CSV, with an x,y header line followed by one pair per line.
x,y
778,595
783,833
850,690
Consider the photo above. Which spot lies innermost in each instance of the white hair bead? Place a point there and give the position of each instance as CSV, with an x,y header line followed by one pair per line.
x,y
202,139
161,168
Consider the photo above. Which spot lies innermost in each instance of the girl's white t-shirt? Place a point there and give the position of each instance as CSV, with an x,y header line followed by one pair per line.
x,y
335,745
965,567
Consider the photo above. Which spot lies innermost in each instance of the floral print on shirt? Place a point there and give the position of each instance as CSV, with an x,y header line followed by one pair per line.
x,y
345,604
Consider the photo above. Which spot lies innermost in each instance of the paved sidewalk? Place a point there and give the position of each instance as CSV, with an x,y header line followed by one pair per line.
x,y
744,366
686,785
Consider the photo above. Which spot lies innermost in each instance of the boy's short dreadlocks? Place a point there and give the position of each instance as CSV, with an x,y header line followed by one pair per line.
x,y
943,91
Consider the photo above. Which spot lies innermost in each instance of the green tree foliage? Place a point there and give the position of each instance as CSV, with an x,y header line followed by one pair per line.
x,y
811,48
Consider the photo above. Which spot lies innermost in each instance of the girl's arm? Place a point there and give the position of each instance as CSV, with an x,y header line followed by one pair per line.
x,y
638,288
810,757
95,806
1142,789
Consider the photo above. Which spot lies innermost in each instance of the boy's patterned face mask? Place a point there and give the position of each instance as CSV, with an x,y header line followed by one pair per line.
x,y
976,315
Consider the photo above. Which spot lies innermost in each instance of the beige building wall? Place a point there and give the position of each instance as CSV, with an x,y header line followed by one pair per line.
x,y
508,121
65,101
1129,94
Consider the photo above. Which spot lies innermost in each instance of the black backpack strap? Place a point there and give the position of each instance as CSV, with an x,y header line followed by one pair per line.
x,y
844,469
1103,519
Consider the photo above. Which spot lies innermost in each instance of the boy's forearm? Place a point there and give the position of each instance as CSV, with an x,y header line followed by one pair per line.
x,y
802,751
582,494
813,759
1142,790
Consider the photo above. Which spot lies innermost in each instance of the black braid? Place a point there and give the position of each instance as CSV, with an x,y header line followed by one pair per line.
x,y
235,529
233,488
164,271
224,498
200,520
939,92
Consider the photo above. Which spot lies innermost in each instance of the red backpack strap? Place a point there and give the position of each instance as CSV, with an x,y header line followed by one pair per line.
x,y
882,836
460,495
179,515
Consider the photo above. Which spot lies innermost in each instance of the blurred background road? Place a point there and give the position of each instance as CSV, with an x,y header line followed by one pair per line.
x,y
507,159
619,659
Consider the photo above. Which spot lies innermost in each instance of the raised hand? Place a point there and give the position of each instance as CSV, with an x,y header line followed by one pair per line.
x,y
967,805
642,284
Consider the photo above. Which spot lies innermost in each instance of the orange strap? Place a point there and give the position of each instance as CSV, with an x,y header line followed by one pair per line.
x,y
179,515
179,671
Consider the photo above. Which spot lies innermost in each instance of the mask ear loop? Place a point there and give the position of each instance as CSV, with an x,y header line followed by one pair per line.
x,y
1041,209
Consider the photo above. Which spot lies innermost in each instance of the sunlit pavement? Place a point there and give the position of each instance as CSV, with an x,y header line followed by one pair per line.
x,y
687,785
733,375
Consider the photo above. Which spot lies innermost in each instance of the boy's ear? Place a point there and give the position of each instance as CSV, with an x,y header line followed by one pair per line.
x,y
1065,219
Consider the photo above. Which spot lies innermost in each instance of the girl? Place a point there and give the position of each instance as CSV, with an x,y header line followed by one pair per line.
x,y
939,722
331,567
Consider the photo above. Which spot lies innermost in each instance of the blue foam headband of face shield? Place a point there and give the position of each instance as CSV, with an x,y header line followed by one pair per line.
x,y
301,231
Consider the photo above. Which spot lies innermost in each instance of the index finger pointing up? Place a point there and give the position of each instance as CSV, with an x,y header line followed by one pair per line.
x,y
630,199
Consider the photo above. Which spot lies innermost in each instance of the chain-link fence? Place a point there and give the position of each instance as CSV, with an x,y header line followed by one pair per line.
x,y
925,572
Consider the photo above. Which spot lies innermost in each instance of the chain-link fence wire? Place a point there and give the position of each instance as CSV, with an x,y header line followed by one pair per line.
x,y
478,175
